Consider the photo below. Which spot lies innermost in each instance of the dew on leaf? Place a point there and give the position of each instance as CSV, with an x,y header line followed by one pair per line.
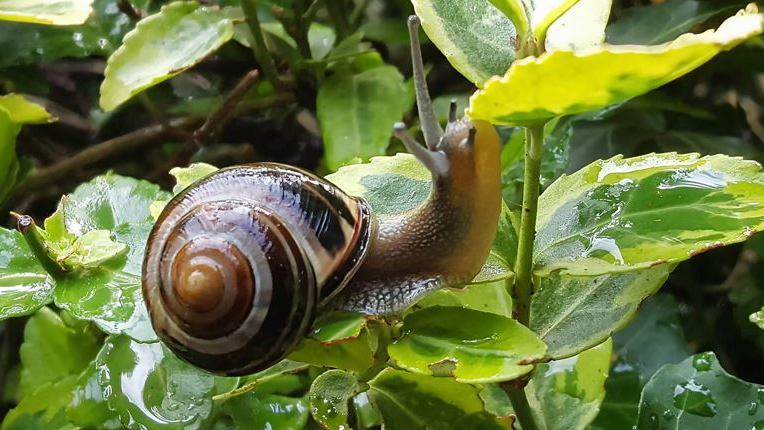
x,y
695,399
668,415
758,425
760,393
752,408
702,362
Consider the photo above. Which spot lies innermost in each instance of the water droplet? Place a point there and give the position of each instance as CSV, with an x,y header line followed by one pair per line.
x,y
760,392
758,425
752,408
667,414
695,399
702,362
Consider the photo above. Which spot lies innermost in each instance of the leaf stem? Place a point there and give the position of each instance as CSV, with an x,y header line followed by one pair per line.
x,y
339,18
262,55
521,407
25,224
523,290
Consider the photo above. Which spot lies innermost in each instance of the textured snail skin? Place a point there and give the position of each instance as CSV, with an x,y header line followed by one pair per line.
x,y
237,264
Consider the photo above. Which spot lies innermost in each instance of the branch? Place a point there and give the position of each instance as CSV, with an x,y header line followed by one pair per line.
x,y
262,55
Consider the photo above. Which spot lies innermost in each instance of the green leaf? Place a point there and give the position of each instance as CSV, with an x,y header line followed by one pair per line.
x,y
491,297
476,38
354,354
257,411
338,326
52,351
409,401
357,113
649,342
24,285
620,214
661,22
564,82
573,313
89,250
185,176
151,388
161,46
397,184
89,408
52,12
698,394
516,11
566,394
329,395
758,318
43,409
491,348
581,27
9,164
22,111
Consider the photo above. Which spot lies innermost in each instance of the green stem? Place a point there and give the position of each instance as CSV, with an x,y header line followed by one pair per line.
x,y
25,224
339,18
262,55
302,26
522,408
523,291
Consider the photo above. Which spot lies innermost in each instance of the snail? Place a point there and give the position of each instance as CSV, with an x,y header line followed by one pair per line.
x,y
239,263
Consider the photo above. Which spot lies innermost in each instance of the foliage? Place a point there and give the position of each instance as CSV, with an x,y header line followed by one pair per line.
x,y
557,331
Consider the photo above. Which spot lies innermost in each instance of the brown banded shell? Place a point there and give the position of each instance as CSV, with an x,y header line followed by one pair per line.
x,y
237,264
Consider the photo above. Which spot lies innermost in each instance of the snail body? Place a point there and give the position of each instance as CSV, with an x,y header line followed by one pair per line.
x,y
239,263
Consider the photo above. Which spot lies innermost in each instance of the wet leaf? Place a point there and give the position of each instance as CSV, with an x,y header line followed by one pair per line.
x,y
88,408
161,46
52,351
266,411
476,38
329,395
566,82
620,215
490,297
150,388
408,401
436,341
355,354
573,313
185,176
52,12
357,113
661,22
566,394
338,326
699,394
43,409
24,285
22,111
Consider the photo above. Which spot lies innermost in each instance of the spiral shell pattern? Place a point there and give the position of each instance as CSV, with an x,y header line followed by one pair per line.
x,y
237,264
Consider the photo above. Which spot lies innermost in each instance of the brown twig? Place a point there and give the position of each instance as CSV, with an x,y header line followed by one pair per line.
x,y
215,122
101,151
128,9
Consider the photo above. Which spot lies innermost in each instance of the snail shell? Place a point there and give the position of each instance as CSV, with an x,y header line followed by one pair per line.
x,y
238,263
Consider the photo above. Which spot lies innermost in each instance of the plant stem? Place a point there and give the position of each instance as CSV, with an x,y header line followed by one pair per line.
x,y
522,408
339,18
302,27
262,55
523,291
26,226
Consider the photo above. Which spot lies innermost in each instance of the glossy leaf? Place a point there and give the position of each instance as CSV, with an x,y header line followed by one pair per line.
x,y
492,297
9,165
24,284
52,351
43,409
22,111
357,113
620,214
185,176
52,12
394,185
436,341
329,396
355,354
337,327
661,22
581,27
758,318
88,407
149,387
566,394
563,82
476,38
699,394
161,46
266,411
408,401
573,313
652,340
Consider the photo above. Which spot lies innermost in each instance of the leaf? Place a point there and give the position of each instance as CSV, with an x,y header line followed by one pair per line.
x,y
620,214
185,176
89,408
52,12
8,162
476,38
581,27
661,22
265,411
566,394
409,401
24,285
357,113
150,388
564,83
52,351
516,11
396,184
338,326
491,348
43,409
161,46
491,297
329,395
758,318
649,342
354,354
22,111
573,313
697,393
